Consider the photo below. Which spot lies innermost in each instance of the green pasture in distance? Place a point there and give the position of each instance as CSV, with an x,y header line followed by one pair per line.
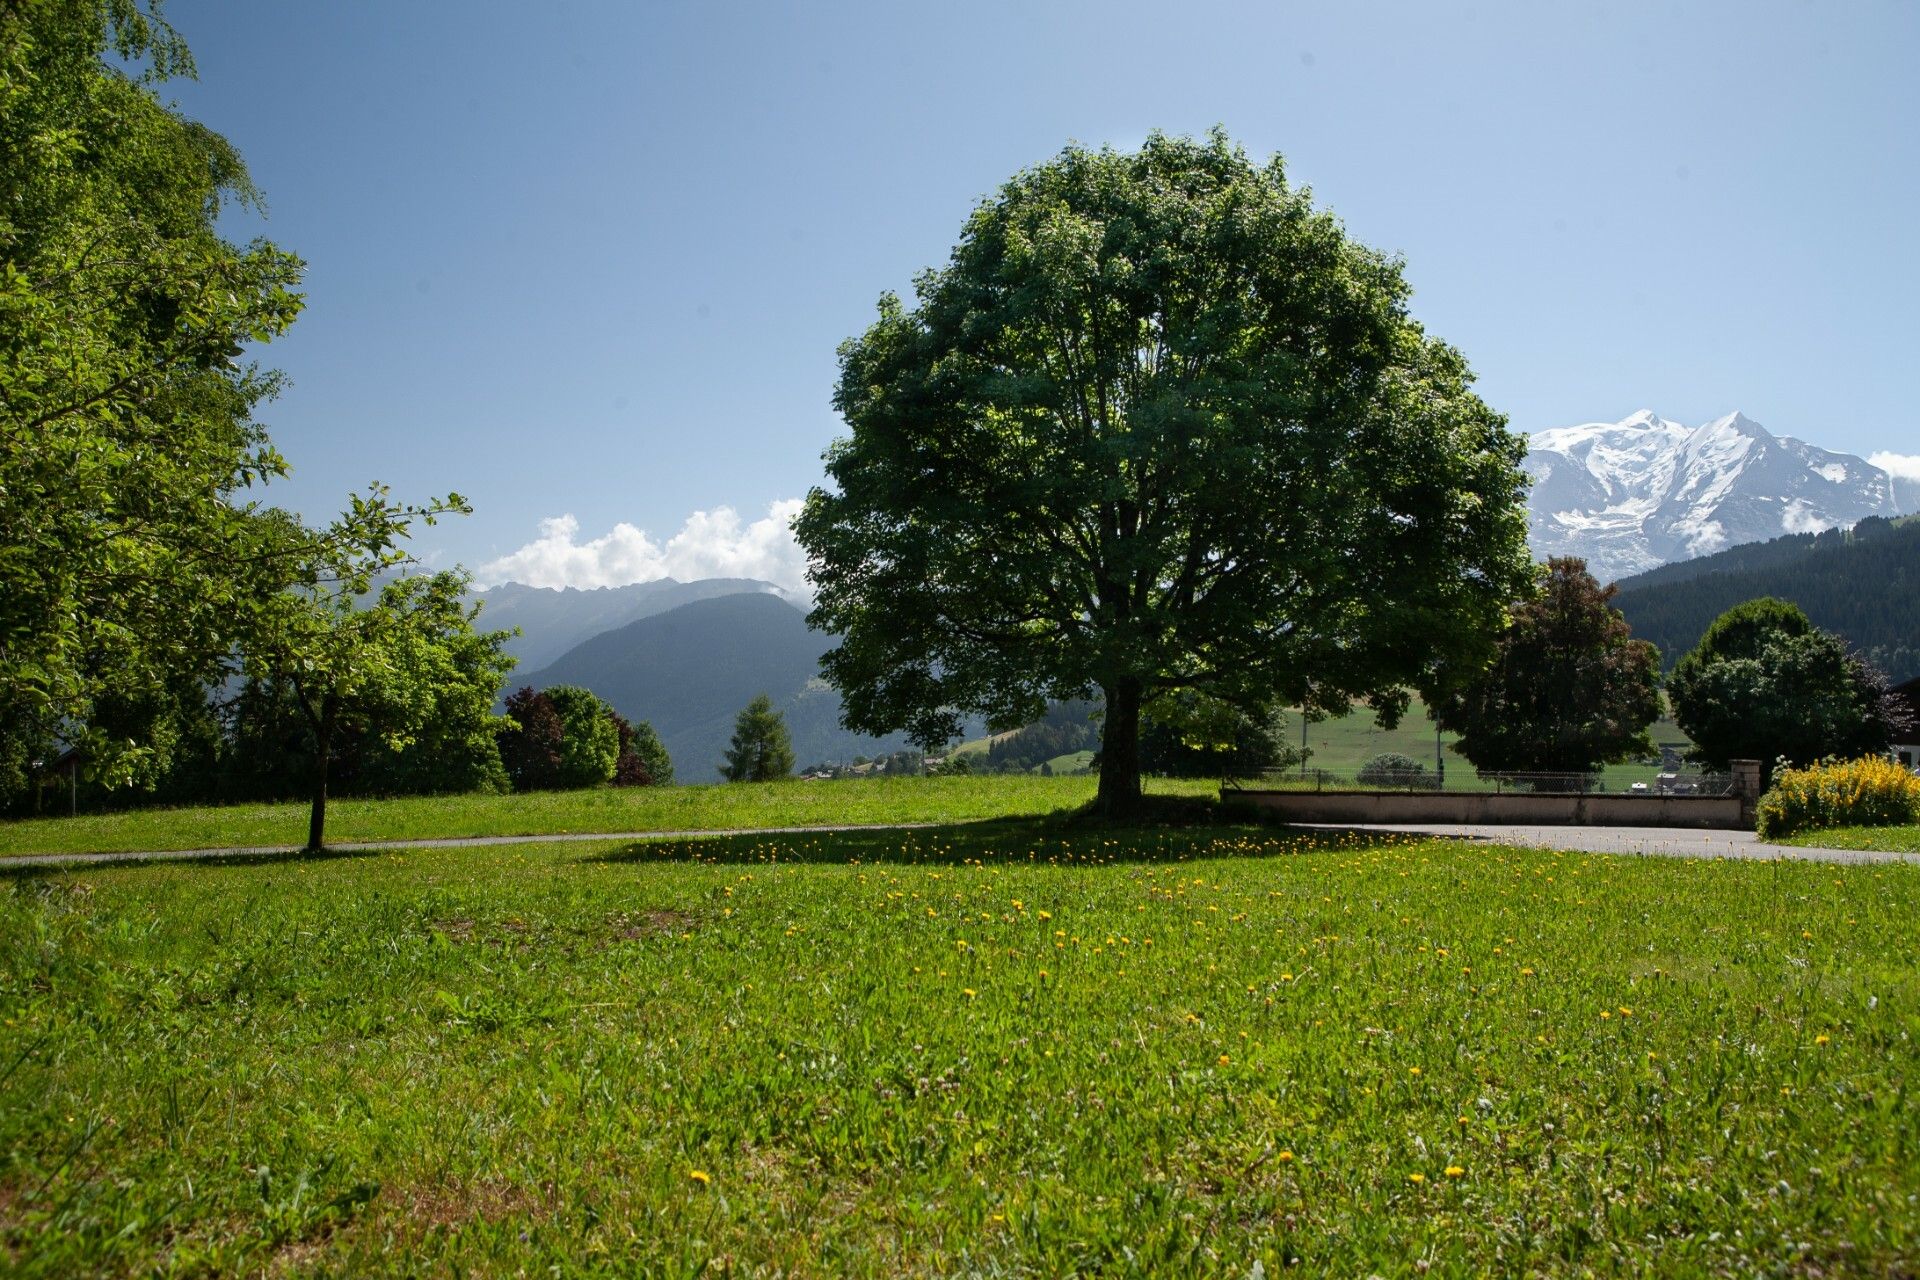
x,y
1009,1048
1342,745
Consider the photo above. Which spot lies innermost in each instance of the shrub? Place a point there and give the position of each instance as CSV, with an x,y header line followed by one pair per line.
x,y
1391,769
1869,792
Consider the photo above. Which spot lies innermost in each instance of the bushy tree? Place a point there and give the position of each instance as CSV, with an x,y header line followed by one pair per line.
x,y
761,749
1765,683
590,740
1569,688
1158,424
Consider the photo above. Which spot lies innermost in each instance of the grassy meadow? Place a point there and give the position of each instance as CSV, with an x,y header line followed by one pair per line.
x,y
717,806
1903,839
1010,1048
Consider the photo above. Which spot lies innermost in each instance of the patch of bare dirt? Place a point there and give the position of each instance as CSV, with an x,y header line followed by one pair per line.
x,y
629,926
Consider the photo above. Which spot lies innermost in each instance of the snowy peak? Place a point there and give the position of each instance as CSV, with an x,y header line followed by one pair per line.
x,y
1646,490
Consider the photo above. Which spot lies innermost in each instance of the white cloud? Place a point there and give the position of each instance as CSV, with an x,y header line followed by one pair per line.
x,y
1904,465
711,544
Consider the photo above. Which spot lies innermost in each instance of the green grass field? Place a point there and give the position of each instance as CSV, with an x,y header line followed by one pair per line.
x,y
1008,1048
711,807
1341,746
1891,839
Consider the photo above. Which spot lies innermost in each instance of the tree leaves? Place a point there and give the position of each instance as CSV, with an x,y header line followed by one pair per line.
x,y
1158,425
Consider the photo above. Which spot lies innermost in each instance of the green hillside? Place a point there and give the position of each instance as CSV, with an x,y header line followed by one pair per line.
x,y
689,671
1863,583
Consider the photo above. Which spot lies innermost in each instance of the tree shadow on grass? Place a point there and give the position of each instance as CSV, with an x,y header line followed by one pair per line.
x,y
1001,842
56,865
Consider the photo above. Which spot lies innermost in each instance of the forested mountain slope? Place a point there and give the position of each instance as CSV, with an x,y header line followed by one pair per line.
x,y
1863,583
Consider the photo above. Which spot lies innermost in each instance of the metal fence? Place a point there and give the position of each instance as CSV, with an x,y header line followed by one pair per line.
x,y
1467,779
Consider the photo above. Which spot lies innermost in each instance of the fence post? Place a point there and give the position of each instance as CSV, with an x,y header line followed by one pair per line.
x,y
1746,785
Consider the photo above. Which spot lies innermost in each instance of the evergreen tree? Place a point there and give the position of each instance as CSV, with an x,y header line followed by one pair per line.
x,y
643,760
760,750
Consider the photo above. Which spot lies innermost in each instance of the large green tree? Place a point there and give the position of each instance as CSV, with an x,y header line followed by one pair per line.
x,y
1569,688
1159,424
1765,683
126,407
131,560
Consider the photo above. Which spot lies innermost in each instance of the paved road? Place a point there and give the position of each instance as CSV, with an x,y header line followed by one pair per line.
x,y
1659,841
1662,841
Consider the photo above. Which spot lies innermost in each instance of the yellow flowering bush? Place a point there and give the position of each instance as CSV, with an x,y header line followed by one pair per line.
x,y
1869,792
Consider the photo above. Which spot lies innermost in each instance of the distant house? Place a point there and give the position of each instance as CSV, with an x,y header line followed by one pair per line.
x,y
1907,751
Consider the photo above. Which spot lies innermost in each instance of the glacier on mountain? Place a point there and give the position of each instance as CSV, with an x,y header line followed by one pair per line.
x,y
1645,491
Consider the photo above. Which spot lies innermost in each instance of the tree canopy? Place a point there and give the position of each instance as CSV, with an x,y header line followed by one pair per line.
x,y
1764,683
133,560
1159,424
1569,688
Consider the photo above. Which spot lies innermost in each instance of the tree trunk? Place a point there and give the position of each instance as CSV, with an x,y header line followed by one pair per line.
x,y
317,819
1119,794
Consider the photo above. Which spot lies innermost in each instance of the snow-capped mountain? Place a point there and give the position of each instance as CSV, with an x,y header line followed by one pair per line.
x,y
1646,491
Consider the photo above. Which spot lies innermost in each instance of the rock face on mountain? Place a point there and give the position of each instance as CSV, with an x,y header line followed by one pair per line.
x,y
1630,495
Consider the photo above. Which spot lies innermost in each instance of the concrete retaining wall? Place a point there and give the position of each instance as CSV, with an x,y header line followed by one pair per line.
x,y
1723,812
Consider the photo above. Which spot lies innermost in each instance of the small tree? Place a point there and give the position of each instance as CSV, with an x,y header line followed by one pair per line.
x,y
391,669
761,749
1764,682
1569,689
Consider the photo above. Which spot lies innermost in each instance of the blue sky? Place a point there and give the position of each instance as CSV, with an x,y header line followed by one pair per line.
x,y
593,260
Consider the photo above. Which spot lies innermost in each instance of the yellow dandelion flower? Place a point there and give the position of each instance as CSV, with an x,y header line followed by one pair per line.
x,y
968,992
699,1176
1416,1178
1413,1071
1821,1040
1455,1171
1285,1157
